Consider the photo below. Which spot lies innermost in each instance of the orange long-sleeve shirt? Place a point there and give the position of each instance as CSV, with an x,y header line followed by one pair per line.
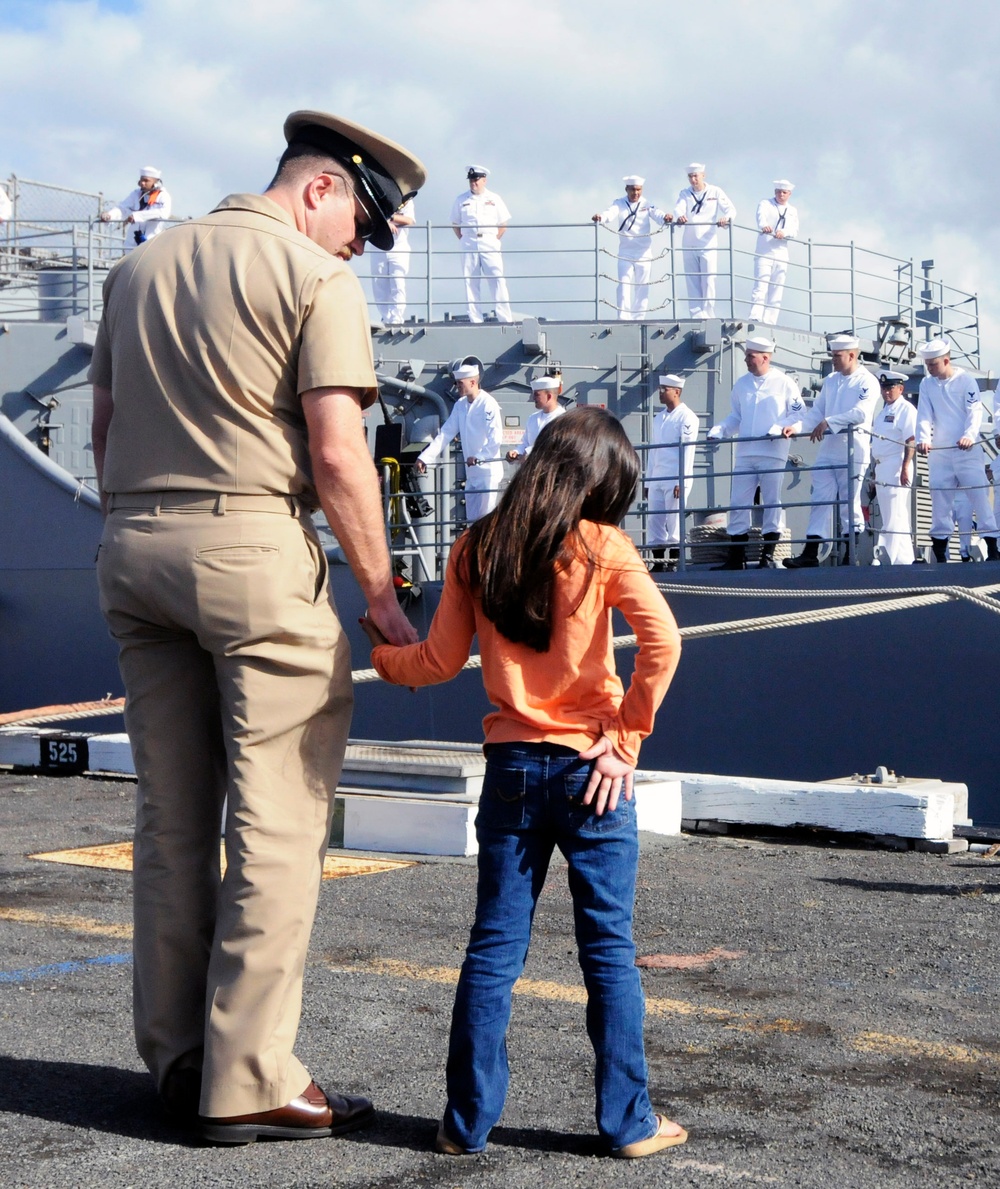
x,y
570,695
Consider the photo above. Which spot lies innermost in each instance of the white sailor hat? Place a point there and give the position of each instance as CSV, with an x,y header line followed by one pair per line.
x,y
934,349
783,184
467,371
149,171
476,171
671,381
888,379
633,179
842,342
384,173
545,384
760,343
695,167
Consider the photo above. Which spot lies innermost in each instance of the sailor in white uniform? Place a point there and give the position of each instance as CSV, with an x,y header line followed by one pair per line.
x,y
390,269
777,223
675,433
479,218
701,208
848,398
634,219
765,404
476,420
545,393
949,416
146,209
893,433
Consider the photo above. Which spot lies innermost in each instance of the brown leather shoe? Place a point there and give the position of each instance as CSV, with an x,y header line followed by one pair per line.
x,y
313,1115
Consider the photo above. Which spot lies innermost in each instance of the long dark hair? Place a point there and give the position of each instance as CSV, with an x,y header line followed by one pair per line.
x,y
582,467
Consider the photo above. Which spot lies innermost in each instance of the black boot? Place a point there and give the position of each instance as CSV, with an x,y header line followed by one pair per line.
x,y
657,566
808,559
672,558
940,547
992,552
767,561
846,559
737,558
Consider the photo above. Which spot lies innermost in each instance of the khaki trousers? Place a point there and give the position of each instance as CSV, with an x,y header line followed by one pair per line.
x,y
238,685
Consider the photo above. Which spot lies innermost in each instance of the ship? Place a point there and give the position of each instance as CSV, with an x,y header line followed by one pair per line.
x,y
788,674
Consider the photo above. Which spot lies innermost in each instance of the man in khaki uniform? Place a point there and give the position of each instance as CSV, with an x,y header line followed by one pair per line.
x,y
230,373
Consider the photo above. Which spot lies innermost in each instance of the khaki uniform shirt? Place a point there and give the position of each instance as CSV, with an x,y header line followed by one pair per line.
x,y
210,334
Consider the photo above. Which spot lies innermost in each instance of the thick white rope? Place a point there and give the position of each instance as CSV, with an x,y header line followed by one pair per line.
x,y
915,597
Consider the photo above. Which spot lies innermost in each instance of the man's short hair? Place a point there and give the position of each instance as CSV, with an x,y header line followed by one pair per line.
x,y
298,160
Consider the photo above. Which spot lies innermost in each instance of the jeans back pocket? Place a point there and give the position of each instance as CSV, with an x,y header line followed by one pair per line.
x,y
502,801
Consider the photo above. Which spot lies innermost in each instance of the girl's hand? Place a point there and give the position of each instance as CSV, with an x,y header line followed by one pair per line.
x,y
611,775
370,629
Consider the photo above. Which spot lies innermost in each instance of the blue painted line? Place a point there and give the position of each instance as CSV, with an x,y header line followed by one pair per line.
x,y
33,972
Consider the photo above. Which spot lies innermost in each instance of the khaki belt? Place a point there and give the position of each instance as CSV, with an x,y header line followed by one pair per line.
x,y
217,504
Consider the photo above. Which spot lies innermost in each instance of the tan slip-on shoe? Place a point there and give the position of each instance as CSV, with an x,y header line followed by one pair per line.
x,y
656,1143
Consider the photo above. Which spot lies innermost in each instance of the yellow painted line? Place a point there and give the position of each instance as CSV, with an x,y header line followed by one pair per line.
x,y
117,856
59,921
905,1046
563,993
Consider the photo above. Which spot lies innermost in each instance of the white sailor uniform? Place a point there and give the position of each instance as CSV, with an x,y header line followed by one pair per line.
x,y
536,423
389,272
843,401
479,425
703,210
894,425
634,223
761,405
479,216
950,410
675,432
771,260
150,211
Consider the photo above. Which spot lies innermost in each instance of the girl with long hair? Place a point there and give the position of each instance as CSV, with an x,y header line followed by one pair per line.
x,y
536,580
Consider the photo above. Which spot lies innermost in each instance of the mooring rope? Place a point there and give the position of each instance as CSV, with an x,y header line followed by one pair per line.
x,y
917,596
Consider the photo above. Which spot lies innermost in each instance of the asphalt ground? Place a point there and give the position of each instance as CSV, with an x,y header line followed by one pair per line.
x,y
823,1016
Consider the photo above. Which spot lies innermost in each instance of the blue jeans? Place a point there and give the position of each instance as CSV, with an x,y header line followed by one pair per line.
x,y
531,802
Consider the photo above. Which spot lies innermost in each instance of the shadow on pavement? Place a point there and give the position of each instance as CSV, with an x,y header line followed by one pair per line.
x,y
416,1134
97,1097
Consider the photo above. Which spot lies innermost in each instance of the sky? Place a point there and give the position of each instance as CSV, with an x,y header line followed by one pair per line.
x,y
882,113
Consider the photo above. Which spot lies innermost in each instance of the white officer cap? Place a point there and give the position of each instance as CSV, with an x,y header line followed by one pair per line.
x,y
888,379
545,384
934,349
671,381
149,171
843,342
783,184
633,179
476,171
467,371
760,343
695,167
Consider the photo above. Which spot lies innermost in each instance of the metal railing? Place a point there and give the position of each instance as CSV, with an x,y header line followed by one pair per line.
x,y
553,270
426,542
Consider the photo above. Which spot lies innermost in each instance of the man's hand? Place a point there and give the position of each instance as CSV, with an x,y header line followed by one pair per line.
x,y
682,218
819,433
595,218
904,474
766,231
420,467
386,616
788,431
677,491
513,456
723,222
923,447
966,443
611,775
472,462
